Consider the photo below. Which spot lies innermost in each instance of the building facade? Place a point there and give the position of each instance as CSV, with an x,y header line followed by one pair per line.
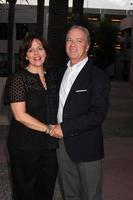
x,y
127,31
25,21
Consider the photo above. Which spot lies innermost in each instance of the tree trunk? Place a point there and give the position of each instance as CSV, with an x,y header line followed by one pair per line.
x,y
10,48
58,12
40,17
77,12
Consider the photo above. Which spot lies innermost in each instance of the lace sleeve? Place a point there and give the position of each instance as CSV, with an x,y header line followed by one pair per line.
x,y
14,89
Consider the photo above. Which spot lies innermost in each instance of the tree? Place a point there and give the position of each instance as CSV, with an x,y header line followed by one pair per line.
x,y
1,4
77,12
10,43
58,12
106,37
40,16
10,49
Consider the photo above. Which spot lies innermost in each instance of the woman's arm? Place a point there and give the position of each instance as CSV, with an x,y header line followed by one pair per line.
x,y
20,114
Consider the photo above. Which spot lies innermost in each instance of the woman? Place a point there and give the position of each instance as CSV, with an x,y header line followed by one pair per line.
x,y
31,94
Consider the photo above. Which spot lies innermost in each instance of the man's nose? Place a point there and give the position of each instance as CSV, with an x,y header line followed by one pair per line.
x,y
73,43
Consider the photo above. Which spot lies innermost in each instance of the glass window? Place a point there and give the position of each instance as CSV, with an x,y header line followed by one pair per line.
x,y
23,29
17,62
3,31
3,64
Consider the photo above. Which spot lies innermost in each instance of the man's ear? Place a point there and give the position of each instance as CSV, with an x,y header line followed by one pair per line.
x,y
87,48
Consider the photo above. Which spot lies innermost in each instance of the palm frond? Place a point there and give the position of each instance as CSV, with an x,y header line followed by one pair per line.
x,y
26,1
1,4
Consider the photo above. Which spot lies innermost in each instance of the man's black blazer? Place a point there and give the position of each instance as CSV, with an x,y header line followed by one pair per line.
x,y
83,114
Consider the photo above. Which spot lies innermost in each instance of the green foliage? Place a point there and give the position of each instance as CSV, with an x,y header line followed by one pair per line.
x,y
104,36
1,4
1,1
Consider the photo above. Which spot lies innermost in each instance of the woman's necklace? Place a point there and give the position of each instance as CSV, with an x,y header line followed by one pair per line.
x,y
42,77
43,80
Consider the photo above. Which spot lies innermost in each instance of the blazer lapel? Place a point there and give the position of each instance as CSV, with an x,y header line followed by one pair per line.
x,y
79,79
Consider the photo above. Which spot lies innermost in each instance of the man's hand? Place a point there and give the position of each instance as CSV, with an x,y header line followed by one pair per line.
x,y
56,131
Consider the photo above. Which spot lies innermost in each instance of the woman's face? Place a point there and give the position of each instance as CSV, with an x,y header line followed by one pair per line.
x,y
36,54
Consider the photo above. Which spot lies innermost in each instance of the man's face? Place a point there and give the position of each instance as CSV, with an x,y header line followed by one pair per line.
x,y
76,45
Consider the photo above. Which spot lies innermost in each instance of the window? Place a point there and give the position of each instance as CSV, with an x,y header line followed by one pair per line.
x,y
3,64
3,31
23,29
17,62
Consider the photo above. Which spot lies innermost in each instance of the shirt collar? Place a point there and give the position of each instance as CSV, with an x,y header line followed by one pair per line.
x,y
77,65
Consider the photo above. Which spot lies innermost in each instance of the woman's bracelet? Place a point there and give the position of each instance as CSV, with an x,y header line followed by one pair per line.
x,y
48,129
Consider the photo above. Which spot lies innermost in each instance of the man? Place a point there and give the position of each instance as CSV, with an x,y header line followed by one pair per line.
x,y
83,104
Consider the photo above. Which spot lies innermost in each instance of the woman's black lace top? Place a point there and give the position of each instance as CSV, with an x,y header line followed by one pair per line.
x,y
24,86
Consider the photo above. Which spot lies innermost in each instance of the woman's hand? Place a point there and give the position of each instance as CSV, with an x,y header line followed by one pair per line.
x,y
56,131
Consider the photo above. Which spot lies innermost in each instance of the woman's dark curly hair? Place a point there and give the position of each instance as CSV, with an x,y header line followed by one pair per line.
x,y
26,44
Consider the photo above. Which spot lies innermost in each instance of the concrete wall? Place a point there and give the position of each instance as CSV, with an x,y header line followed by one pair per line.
x,y
5,113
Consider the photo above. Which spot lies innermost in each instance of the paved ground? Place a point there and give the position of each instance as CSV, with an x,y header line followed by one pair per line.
x,y
118,169
118,162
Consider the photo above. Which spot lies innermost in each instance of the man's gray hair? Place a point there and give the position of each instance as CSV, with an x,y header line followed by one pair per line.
x,y
82,28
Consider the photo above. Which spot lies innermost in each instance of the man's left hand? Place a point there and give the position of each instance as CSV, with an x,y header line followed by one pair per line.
x,y
56,131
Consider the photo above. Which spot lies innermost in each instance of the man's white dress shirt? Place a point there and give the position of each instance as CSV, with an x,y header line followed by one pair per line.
x,y
69,77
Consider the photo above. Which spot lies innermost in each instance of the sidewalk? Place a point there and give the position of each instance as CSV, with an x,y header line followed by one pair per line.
x,y
118,162
118,169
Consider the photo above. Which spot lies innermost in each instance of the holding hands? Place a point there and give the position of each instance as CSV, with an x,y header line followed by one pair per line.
x,y
56,131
